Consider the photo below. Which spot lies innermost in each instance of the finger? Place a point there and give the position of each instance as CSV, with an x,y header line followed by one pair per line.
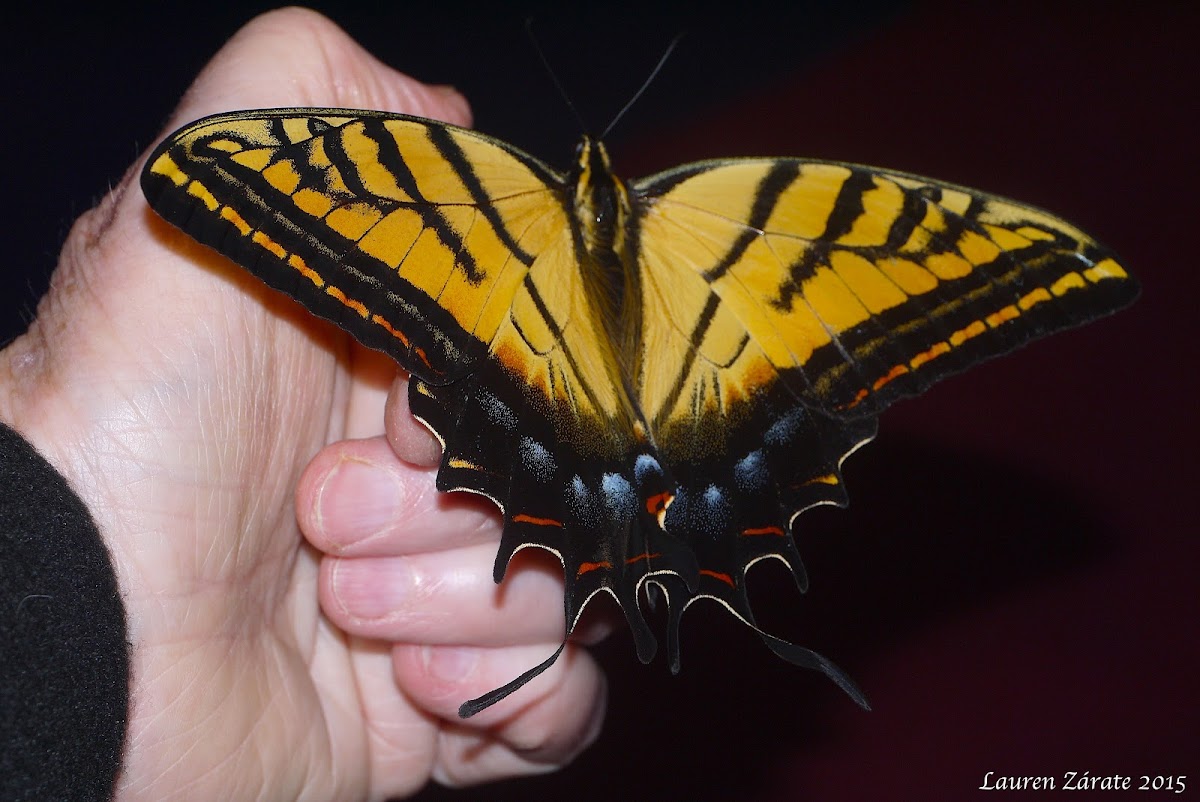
x,y
542,726
401,742
446,597
296,57
290,57
300,58
371,373
356,498
411,439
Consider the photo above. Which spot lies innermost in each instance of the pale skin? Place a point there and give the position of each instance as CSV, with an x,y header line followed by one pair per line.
x,y
306,612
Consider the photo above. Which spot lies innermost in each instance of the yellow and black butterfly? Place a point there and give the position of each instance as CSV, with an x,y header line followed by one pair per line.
x,y
651,379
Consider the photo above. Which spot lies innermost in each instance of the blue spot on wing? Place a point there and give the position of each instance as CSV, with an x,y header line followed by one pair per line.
x,y
537,459
751,472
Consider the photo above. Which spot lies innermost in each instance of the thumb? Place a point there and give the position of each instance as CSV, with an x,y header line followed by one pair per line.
x,y
296,57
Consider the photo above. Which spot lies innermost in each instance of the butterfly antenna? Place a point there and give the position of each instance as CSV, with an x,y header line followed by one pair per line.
x,y
562,92
645,85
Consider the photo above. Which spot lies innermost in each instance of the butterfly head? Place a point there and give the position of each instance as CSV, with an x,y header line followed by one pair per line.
x,y
600,199
591,162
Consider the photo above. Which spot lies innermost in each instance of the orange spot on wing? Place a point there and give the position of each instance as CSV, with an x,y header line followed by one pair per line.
x,y
763,530
933,353
200,191
658,503
1004,315
858,399
643,556
967,332
268,244
522,518
585,568
392,330
464,464
238,221
726,578
357,306
899,370
306,271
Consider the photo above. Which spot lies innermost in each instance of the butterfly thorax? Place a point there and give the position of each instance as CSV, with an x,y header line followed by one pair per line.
x,y
601,214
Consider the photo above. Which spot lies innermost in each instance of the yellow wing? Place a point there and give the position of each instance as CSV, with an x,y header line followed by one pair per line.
x,y
851,286
432,243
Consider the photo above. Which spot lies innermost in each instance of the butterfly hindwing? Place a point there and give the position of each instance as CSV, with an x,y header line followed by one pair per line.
x,y
650,380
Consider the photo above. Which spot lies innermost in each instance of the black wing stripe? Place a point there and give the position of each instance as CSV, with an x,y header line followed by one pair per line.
x,y
766,197
449,149
556,331
699,331
848,206
392,159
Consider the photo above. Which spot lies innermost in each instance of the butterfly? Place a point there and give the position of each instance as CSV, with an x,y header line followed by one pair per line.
x,y
651,379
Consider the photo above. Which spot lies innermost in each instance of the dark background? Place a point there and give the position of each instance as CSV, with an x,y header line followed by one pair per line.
x,y
1014,585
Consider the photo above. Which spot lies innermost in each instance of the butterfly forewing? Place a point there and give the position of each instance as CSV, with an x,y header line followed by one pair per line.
x,y
406,234
852,286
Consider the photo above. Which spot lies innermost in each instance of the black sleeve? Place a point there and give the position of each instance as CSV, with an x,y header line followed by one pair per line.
x,y
64,658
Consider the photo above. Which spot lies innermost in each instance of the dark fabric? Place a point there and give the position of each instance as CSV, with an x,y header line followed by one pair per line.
x,y
64,658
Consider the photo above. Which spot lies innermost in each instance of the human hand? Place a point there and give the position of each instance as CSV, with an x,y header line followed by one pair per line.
x,y
182,400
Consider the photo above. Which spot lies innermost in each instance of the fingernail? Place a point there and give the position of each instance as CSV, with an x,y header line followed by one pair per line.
x,y
363,499
371,590
449,663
